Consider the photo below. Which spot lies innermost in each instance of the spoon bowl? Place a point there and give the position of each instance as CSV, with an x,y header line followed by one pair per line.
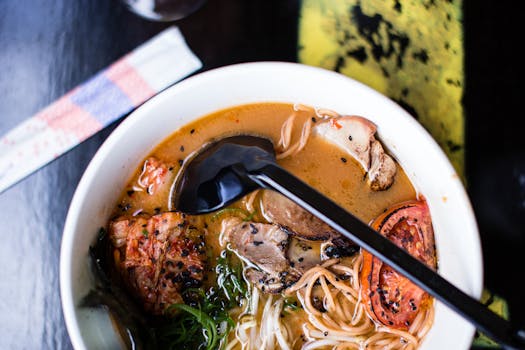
x,y
214,177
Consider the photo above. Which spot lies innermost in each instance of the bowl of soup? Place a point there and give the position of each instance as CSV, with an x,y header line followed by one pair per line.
x,y
263,272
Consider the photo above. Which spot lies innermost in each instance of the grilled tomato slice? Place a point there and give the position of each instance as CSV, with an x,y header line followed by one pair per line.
x,y
389,297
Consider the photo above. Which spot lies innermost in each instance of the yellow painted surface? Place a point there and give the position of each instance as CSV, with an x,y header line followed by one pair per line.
x,y
411,51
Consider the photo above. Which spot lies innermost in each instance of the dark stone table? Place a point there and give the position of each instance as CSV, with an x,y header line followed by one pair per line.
x,y
49,46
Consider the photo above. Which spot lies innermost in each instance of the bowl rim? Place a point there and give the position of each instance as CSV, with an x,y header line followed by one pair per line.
x,y
66,249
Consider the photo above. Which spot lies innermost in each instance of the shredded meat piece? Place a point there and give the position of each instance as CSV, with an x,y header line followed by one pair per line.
x,y
153,175
158,257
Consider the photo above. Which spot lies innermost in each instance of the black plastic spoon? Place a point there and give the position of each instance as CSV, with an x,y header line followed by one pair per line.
x,y
230,168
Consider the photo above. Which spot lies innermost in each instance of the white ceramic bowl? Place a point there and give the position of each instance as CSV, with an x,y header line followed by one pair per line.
x,y
455,227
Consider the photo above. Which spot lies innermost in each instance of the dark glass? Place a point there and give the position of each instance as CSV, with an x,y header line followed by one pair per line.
x,y
163,10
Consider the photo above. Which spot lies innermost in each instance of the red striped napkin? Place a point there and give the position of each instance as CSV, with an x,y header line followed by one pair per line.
x,y
93,105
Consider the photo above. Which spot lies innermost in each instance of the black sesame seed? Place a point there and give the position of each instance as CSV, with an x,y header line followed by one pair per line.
x,y
343,159
350,137
257,243
181,162
182,148
192,131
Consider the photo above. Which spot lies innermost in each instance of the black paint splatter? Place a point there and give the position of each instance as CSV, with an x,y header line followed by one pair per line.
x,y
397,6
422,56
371,28
407,107
453,147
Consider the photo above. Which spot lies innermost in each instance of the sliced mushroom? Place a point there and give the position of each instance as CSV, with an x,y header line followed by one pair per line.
x,y
303,255
281,210
355,135
382,168
300,223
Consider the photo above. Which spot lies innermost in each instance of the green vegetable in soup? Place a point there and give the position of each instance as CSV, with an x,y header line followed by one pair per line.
x,y
204,321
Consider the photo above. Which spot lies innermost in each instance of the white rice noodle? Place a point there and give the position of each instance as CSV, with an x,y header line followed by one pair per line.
x,y
299,145
286,132
284,146
343,320
266,333
140,180
324,113
298,107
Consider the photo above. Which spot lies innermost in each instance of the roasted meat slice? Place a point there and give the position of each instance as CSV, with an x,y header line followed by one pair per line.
x,y
300,223
355,135
263,246
158,257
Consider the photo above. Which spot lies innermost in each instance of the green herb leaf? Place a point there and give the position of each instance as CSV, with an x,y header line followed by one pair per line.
x,y
208,324
291,304
230,279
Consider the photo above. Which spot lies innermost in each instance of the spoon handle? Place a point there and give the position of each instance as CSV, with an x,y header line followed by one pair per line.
x,y
274,177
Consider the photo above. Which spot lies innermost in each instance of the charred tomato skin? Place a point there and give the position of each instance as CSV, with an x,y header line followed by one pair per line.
x,y
389,297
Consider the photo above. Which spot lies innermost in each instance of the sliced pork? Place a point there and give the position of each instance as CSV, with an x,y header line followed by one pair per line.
x,y
263,246
158,257
355,135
